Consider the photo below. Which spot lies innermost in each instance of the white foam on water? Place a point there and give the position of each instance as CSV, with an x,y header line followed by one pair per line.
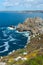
x,y
21,32
6,47
4,33
11,52
3,45
6,39
26,34
10,28
28,40
11,38
18,31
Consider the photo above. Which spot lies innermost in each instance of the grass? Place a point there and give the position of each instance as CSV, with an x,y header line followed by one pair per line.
x,y
38,60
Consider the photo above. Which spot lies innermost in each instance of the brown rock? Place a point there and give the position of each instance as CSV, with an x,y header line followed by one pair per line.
x,y
33,24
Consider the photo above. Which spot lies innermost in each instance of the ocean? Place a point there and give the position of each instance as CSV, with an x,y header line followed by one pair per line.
x,y
13,18
11,40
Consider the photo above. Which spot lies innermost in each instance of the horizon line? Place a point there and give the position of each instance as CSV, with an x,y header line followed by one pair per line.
x,y
21,10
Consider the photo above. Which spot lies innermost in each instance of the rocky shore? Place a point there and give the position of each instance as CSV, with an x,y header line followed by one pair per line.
x,y
34,25
32,54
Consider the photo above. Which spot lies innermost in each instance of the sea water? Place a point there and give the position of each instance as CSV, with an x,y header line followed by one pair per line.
x,y
11,40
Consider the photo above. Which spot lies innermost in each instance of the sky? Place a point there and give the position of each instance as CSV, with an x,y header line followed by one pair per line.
x,y
18,5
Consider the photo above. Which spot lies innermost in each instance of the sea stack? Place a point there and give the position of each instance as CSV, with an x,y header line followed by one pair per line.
x,y
11,27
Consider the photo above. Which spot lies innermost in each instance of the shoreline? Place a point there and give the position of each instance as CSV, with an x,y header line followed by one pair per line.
x,y
33,47
30,35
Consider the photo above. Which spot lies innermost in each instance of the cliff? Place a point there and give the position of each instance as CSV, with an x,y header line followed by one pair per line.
x,y
35,25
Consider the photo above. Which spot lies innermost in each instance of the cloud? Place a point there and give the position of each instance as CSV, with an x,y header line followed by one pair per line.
x,y
10,3
40,6
7,4
30,4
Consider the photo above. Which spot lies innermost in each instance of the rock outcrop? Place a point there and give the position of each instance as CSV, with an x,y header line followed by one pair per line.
x,y
35,25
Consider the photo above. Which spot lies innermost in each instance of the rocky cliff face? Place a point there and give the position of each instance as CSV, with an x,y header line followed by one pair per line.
x,y
35,25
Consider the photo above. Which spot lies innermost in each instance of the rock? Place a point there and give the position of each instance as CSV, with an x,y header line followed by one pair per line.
x,y
2,63
35,25
11,27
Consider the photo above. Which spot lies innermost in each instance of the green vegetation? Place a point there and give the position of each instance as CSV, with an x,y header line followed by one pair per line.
x,y
38,60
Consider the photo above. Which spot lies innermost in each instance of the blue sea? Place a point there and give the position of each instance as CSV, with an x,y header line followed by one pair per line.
x,y
11,40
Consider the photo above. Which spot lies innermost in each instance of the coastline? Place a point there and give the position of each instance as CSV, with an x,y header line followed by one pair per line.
x,y
23,53
19,26
33,48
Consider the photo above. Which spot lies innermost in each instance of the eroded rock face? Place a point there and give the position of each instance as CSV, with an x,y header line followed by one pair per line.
x,y
31,24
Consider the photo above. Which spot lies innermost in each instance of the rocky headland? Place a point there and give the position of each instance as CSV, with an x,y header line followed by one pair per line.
x,y
34,25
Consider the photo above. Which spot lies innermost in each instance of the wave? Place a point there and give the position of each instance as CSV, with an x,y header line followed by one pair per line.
x,y
26,34
6,47
12,39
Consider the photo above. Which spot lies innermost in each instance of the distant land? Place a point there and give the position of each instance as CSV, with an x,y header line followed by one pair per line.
x,y
25,11
30,11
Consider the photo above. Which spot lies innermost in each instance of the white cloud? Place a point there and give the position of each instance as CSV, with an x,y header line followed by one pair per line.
x,y
17,3
39,6
10,3
29,0
23,3
7,4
